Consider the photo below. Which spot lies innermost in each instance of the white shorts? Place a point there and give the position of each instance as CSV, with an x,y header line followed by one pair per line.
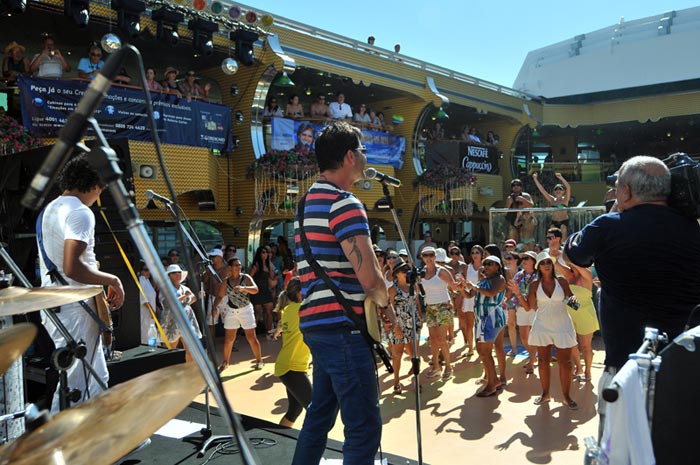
x,y
222,308
523,317
235,318
468,305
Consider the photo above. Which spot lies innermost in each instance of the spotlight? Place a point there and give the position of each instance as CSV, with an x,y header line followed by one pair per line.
x,y
79,10
129,15
168,21
13,6
236,142
239,116
244,45
229,66
202,33
234,90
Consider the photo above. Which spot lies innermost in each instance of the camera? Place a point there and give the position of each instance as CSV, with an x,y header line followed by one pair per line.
x,y
685,184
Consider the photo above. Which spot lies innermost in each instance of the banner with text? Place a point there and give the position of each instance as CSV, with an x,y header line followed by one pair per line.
x,y
47,103
382,148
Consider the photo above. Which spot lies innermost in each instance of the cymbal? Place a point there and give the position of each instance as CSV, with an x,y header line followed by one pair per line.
x,y
109,426
13,342
15,300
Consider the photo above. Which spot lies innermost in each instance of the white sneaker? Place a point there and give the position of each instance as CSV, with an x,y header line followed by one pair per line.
x,y
259,365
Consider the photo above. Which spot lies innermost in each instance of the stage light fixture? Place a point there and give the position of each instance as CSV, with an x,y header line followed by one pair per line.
x,y
129,15
244,45
234,90
79,10
239,116
13,6
284,81
202,35
167,22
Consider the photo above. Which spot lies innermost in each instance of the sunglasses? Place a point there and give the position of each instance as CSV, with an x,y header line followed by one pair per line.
x,y
516,184
546,262
551,238
455,252
428,255
362,149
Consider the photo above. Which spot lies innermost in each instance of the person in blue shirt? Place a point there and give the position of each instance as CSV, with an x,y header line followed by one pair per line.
x,y
89,66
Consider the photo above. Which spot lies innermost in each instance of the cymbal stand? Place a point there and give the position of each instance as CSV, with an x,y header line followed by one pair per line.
x,y
413,277
202,307
63,357
106,163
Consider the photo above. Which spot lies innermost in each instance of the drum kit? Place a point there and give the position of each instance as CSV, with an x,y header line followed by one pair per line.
x,y
114,421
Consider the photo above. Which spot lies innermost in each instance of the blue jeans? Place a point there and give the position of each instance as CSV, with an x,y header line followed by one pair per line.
x,y
344,378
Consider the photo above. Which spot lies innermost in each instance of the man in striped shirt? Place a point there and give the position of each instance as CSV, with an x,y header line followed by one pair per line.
x,y
336,227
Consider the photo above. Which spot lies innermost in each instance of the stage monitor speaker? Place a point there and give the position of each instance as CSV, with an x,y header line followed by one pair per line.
x,y
677,405
18,230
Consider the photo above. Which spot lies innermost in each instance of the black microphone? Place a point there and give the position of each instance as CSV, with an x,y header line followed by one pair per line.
x,y
72,132
152,195
371,173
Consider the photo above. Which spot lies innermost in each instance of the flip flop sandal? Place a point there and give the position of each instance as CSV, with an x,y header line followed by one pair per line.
x,y
572,405
541,400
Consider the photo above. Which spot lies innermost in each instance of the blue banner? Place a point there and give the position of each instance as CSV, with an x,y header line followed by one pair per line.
x,y
47,103
382,148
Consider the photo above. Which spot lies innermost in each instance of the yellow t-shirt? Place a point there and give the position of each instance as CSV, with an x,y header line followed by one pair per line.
x,y
294,354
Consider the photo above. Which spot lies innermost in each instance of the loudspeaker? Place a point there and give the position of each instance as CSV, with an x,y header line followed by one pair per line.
x,y
676,405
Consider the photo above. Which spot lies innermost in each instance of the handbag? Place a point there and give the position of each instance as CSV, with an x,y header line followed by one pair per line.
x,y
367,327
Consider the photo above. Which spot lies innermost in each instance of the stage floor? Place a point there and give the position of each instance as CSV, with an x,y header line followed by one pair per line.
x,y
456,425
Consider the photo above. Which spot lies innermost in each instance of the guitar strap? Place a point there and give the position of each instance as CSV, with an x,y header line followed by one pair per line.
x,y
359,323
57,277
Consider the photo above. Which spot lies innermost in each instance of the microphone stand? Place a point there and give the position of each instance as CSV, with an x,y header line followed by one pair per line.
x,y
62,358
106,163
202,307
413,277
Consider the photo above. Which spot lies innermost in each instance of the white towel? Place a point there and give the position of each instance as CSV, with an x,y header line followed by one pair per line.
x,y
626,436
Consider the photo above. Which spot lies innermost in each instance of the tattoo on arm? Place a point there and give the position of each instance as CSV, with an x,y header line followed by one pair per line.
x,y
356,251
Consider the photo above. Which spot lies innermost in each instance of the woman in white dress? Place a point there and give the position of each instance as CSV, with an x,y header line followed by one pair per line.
x,y
552,326
148,299
466,322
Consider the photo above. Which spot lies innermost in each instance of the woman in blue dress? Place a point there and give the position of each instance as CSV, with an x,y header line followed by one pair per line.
x,y
490,318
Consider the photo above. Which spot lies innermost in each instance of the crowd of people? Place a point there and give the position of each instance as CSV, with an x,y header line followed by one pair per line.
x,y
49,62
467,133
320,110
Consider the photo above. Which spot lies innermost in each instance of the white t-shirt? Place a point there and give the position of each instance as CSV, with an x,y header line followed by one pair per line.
x,y
340,111
66,218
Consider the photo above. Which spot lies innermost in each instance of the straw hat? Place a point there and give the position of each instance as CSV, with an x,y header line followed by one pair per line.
x,y
169,70
543,256
13,45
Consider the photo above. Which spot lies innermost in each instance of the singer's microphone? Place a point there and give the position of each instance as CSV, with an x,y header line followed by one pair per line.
x,y
72,132
371,173
153,196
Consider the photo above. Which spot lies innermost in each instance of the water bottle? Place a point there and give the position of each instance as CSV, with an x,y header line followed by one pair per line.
x,y
152,338
592,451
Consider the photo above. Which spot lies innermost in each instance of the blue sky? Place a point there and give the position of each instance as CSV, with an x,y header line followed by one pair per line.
x,y
485,39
